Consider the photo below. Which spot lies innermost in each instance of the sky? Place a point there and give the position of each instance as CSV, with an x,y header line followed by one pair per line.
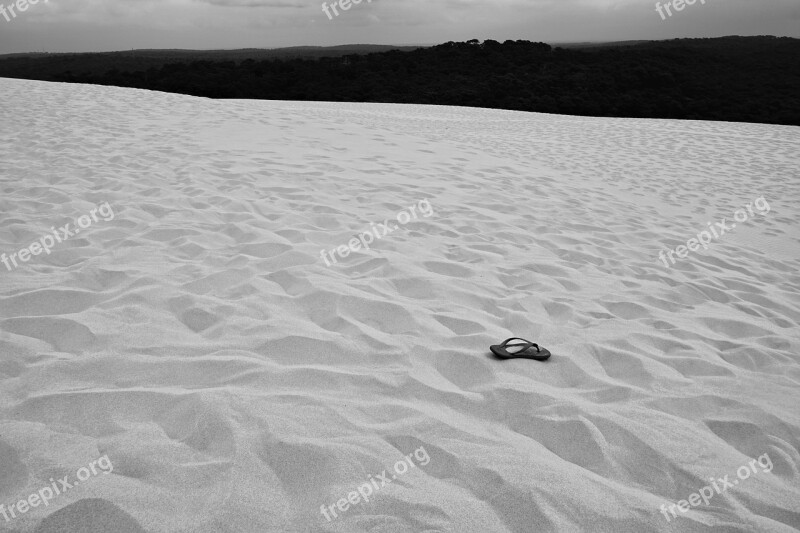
x,y
107,25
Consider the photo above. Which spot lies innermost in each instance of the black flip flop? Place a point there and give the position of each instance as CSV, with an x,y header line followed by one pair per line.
x,y
524,352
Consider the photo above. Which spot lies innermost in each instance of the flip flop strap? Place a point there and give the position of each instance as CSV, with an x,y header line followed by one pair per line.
x,y
525,344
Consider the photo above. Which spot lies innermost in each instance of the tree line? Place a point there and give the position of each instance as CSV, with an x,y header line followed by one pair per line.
x,y
743,79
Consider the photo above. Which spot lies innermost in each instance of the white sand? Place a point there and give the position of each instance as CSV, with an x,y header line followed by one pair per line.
x,y
237,383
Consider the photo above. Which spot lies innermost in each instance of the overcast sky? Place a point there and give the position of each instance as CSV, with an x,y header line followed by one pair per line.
x,y
100,25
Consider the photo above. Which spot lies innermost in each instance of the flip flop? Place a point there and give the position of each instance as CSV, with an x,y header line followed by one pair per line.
x,y
524,352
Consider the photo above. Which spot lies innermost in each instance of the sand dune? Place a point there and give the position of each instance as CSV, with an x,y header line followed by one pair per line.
x,y
237,383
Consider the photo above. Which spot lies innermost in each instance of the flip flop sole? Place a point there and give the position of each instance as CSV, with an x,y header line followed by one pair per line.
x,y
500,352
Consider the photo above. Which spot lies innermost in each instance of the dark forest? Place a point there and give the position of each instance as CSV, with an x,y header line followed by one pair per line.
x,y
743,79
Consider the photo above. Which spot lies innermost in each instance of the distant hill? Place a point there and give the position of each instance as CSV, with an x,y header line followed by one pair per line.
x,y
742,79
599,44
45,66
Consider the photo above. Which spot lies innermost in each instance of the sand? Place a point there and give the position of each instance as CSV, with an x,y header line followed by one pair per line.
x,y
237,383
